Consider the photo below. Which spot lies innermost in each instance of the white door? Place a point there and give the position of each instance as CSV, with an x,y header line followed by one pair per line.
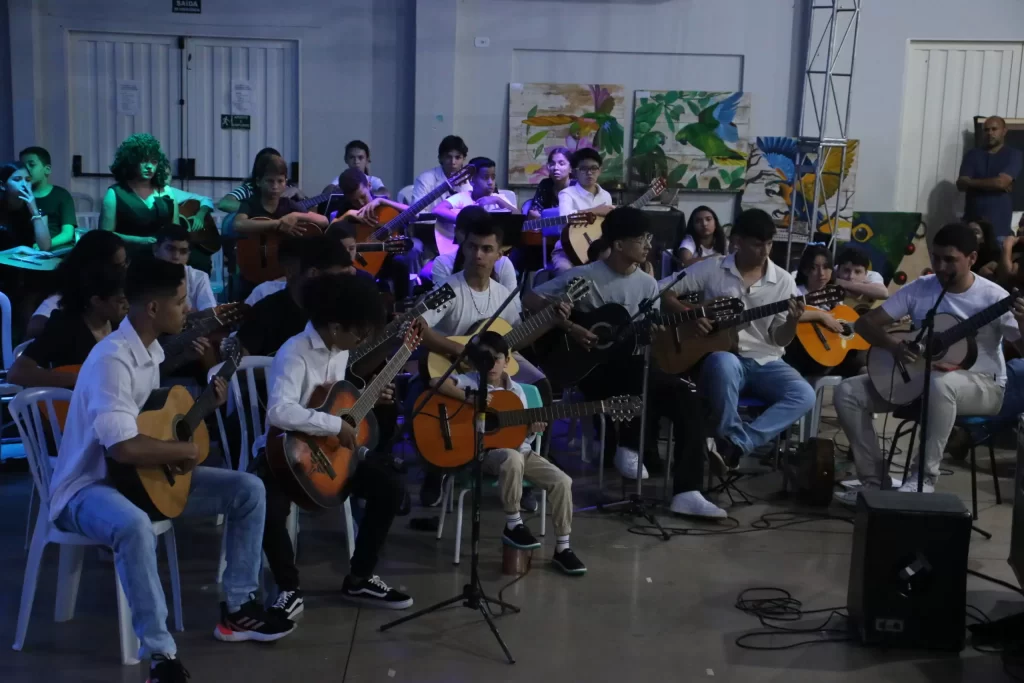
x,y
947,85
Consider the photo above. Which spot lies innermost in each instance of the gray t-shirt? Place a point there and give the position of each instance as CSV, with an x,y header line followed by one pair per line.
x,y
606,287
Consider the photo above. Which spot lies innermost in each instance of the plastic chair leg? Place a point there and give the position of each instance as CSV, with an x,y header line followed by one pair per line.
x,y
29,516
350,527
543,512
69,575
223,563
995,477
171,546
293,528
28,585
974,486
458,526
129,641
446,502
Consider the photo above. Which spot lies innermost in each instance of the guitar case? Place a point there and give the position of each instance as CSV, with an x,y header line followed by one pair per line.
x,y
810,472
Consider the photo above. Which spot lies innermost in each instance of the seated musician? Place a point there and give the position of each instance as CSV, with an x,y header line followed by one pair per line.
x,y
483,193
618,279
172,245
704,237
343,310
853,273
583,195
52,201
117,379
559,177
92,306
232,201
269,202
987,264
451,156
757,369
357,156
977,391
288,259
22,224
95,247
599,250
511,466
445,265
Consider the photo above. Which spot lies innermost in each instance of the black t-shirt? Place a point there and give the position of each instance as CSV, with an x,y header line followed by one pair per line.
x,y
66,340
271,322
253,208
15,227
59,208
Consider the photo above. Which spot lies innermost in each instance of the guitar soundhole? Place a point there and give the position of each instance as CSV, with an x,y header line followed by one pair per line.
x,y
182,432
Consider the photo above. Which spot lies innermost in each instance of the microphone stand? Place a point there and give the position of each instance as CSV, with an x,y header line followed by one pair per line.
x,y
472,595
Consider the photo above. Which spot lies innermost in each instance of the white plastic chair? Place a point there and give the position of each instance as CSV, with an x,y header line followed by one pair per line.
x,y
404,195
7,399
809,424
88,220
25,409
7,391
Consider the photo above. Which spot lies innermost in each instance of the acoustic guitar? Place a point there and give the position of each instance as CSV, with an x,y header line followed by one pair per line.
x,y
171,415
828,348
390,222
954,345
434,365
204,237
443,429
676,356
394,245
313,470
178,348
533,229
256,255
566,362
576,239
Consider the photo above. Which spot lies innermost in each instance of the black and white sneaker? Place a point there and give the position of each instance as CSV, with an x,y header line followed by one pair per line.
x,y
251,622
568,563
519,537
167,670
373,592
288,605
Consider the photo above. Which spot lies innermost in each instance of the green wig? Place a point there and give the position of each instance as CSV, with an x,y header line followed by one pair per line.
x,y
133,151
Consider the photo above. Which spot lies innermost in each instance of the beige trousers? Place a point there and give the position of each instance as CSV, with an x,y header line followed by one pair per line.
x,y
510,466
960,391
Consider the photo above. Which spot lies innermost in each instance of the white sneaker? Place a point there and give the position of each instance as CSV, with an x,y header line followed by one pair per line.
x,y
847,498
910,485
626,462
692,504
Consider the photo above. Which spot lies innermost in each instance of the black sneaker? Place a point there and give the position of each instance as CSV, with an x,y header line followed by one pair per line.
x,y
288,605
528,501
432,490
164,670
251,622
568,563
520,537
373,592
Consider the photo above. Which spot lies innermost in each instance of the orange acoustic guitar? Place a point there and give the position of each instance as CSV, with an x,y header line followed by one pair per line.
x,y
313,470
443,429
257,254
829,348
389,222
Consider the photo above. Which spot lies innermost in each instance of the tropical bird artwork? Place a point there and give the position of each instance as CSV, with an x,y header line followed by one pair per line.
x,y
697,140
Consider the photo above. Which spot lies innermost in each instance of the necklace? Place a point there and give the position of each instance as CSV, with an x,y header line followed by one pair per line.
x,y
472,297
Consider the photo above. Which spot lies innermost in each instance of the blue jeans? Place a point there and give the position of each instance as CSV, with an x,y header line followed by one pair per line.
x,y
725,376
1013,396
101,513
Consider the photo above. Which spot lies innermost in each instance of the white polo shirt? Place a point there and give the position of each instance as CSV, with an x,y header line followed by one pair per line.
x,y
199,290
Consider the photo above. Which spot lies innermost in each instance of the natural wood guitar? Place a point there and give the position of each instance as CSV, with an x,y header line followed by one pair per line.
x,y
828,348
576,240
533,229
257,254
171,415
443,429
434,365
675,355
313,470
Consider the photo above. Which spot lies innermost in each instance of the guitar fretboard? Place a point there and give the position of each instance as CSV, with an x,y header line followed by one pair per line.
x,y
309,203
971,325
176,348
541,223
395,326
774,308
526,329
208,400
407,216
644,199
558,411
369,397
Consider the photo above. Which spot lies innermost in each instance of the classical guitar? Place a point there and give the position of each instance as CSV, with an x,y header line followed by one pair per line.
x,y
434,365
576,240
566,362
828,348
313,470
533,229
394,245
390,222
954,345
171,415
205,236
178,348
675,356
365,359
443,429
257,254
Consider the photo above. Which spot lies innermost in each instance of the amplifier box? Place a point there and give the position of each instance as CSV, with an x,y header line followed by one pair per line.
x,y
908,570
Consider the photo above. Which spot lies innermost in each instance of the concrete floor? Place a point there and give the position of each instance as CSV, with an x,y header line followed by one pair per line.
x,y
647,609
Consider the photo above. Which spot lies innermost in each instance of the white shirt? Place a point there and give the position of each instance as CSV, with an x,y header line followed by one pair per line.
x,y
49,305
717,277
197,286
503,268
471,306
697,250
471,381
574,198
301,365
428,180
916,299
458,202
265,289
114,383
607,286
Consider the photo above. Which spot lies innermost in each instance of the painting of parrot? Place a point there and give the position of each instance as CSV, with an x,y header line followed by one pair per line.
x,y
715,130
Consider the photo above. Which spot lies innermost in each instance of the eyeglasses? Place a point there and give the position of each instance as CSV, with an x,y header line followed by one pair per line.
x,y
644,240
588,169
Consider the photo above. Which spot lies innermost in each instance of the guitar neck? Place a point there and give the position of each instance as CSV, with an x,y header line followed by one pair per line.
x,y
558,411
541,223
971,325
526,329
309,203
176,348
754,314
644,199
371,246
207,402
369,397
389,331
688,315
407,216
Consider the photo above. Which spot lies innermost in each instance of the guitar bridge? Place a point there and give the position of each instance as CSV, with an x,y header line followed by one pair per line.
x,y
446,430
321,464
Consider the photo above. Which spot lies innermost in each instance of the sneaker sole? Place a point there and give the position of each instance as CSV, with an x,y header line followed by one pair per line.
x,y
505,540
378,603
697,515
229,635
569,572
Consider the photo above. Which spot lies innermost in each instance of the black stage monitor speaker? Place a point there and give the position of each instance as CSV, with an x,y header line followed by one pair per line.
x,y
908,571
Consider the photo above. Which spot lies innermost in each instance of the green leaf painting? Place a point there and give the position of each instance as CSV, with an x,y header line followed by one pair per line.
x,y
701,139
547,115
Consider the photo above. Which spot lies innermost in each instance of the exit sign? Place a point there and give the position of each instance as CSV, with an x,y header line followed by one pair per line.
x,y
187,6
235,122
